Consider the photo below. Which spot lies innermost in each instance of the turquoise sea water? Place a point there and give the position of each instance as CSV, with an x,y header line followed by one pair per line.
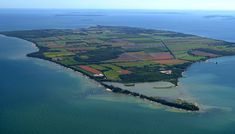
x,y
39,97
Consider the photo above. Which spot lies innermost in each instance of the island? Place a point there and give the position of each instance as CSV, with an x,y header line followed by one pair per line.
x,y
126,55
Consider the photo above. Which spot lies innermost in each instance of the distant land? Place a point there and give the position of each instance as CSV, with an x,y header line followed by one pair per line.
x,y
229,17
126,55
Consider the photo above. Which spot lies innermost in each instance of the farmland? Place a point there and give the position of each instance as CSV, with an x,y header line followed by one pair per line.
x,y
124,54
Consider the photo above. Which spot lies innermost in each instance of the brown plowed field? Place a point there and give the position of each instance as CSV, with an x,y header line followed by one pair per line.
x,y
89,69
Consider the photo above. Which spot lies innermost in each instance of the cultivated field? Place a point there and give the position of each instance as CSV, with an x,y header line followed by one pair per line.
x,y
124,54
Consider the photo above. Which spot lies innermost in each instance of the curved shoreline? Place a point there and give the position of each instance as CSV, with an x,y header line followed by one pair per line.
x,y
182,105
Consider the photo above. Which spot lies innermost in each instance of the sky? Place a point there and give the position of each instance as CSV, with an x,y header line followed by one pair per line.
x,y
122,4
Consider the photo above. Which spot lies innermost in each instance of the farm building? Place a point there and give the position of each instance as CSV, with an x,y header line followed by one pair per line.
x,y
166,72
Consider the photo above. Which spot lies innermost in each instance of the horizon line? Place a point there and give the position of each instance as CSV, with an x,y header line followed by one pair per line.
x,y
120,9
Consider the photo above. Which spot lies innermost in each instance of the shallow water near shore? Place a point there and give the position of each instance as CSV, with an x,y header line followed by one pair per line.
x,y
38,96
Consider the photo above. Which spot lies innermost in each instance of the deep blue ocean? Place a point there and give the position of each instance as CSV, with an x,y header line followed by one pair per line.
x,y
39,97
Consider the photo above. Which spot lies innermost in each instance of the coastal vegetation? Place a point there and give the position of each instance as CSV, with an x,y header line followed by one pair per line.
x,y
125,54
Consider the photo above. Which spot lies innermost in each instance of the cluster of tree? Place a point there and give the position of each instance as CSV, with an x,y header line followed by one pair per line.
x,y
177,104
146,74
38,33
217,52
101,54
